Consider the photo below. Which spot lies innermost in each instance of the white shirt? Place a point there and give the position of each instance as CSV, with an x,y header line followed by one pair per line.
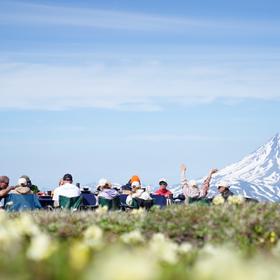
x,y
139,194
68,190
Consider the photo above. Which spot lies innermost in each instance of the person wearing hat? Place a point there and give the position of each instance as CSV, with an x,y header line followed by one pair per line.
x,y
139,197
163,191
105,189
107,196
33,188
67,189
126,189
21,187
191,190
224,190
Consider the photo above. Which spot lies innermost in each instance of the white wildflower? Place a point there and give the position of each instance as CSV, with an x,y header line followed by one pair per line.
x,y
236,199
218,200
185,248
133,237
26,226
102,210
163,248
93,236
41,247
125,265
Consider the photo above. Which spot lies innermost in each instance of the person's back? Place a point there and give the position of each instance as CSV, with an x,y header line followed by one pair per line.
x,y
105,190
66,189
22,188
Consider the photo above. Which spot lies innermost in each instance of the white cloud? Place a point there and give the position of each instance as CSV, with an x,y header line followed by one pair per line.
x,y
131,86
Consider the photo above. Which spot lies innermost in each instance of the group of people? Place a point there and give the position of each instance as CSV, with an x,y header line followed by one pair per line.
x,y
137,194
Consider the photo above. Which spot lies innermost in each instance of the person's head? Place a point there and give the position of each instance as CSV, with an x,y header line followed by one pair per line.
x,y
4,182
135,185
28,180
163,183
22,182
193,184
103,184
135,178
67,178
222,187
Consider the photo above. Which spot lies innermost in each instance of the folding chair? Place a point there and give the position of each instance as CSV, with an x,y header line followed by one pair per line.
x,y
21,202
89,201
70,203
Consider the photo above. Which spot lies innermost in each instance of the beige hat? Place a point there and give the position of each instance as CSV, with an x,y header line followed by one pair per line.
x,y
223,185
22,181
192,183
103,182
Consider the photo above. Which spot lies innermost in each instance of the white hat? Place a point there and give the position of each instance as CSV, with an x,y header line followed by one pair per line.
x,y
103,182
135,184
22,181
223,185
162,180
192,183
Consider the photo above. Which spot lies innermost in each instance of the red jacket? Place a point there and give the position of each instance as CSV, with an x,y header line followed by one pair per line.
x,y
163,192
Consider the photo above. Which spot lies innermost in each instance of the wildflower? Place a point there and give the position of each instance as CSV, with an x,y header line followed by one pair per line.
x,y
119,264
93,236
163,248
26,226
218,200
138,212
185,248
41,247
79,255
101,210
272,237
236,199
133,237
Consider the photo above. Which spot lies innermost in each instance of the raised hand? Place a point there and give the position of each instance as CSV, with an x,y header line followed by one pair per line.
x,y
183,168
213,171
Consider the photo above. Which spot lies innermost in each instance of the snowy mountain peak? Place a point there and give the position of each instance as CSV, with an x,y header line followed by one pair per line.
x,y
258,174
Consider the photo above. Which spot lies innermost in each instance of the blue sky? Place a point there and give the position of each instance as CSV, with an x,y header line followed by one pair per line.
x,y
116,88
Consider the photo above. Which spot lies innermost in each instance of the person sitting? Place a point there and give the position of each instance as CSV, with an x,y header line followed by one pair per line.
x,y
191,190
139,197
105,190
22,187
224,190
66,188
33,188
126,189
163,191
108,196
4,188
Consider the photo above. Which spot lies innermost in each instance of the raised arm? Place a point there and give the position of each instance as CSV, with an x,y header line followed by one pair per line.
x,y
5,191
183,178
206,183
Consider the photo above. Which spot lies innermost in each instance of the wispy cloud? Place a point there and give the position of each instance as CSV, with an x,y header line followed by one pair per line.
x,y
132,86
56,15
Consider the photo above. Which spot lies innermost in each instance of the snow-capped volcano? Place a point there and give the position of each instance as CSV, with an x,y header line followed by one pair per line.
x,y
255,176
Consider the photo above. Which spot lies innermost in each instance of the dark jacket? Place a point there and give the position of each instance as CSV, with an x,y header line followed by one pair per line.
x,y
226,194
